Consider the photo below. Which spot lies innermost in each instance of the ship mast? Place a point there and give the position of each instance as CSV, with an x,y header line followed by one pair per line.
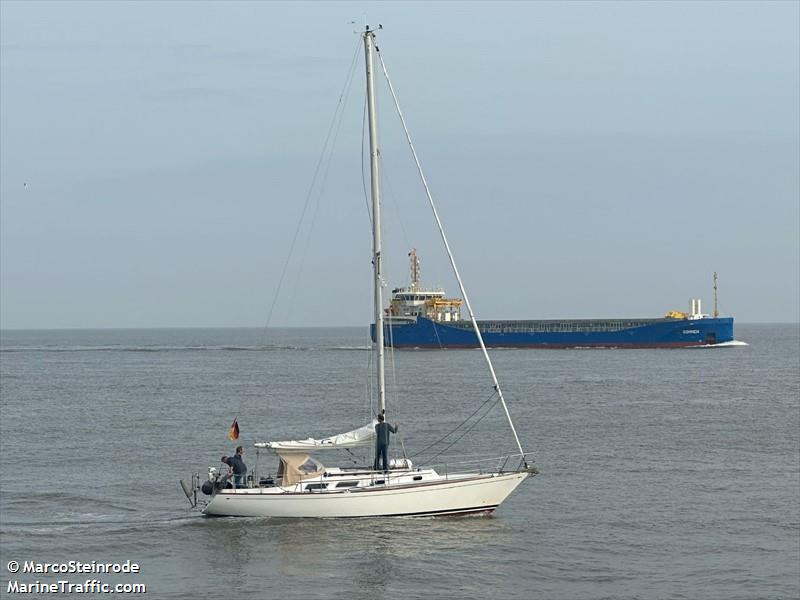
x,y
716,312
414,269
369,44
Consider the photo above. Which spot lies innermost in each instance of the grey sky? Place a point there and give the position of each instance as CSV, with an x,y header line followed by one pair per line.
x,y
589,159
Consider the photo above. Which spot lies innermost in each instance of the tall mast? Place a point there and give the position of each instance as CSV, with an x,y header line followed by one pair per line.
x,y
369,44
716,311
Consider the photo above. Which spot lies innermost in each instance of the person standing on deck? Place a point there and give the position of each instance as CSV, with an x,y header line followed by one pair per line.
x,y
236,464
382,431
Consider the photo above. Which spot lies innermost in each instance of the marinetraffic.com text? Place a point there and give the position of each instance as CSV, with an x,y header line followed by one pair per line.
x,y
64,586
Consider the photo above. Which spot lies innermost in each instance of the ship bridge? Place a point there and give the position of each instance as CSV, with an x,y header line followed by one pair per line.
x,y
415,301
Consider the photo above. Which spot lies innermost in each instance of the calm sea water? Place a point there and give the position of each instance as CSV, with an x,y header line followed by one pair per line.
x,y
664,473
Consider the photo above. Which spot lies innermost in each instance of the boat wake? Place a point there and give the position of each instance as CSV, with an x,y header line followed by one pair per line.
x,y
731,344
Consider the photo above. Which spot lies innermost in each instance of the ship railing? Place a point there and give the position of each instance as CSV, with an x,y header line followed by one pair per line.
x,y
554,326
483,465
417,291
457,467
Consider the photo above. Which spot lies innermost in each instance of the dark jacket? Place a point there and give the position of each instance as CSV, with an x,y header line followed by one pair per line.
x,y
237,464
382,433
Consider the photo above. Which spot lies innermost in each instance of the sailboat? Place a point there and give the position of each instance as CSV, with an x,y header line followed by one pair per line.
x,y
304,487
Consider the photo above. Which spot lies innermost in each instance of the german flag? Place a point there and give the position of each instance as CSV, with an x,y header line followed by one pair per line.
x,y
233,432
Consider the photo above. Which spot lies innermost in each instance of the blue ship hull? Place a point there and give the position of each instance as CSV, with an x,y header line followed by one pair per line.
x,y
583,333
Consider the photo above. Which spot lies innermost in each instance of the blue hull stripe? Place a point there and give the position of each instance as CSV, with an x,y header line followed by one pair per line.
x,y
654,333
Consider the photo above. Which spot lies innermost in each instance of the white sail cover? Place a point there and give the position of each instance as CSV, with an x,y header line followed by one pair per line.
x,y
362,436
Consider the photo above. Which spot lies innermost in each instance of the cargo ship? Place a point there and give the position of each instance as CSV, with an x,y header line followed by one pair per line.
x,y
420,317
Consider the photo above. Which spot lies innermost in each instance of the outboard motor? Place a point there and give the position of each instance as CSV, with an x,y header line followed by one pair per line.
x,y
214,482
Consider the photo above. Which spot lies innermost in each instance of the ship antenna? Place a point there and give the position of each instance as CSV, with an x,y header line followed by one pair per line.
x,y
716,311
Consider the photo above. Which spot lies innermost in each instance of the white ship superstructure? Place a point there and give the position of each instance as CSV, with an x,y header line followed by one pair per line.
x,y
414,301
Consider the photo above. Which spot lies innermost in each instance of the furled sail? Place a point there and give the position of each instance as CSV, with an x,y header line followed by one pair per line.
x,y
362,436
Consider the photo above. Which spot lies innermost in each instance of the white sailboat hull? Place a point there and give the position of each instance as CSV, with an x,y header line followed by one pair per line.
x,y
476,494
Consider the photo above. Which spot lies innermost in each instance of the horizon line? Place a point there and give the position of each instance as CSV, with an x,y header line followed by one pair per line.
x,y
171,327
